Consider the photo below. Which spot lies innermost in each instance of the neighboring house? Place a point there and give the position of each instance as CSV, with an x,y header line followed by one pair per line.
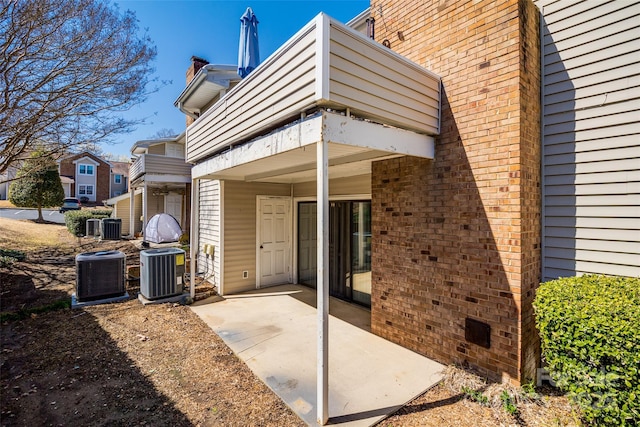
x,y
119,178
67,185
6,178
159,182
88,176
418,165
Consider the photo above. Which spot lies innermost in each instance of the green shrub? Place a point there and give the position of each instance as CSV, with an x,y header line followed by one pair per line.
x,y
6,261
101,213
590,332
9,256
475,395
76,221
13,253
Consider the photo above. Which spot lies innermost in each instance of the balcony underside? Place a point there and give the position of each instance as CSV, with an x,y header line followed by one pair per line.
x,y
324,66
288,155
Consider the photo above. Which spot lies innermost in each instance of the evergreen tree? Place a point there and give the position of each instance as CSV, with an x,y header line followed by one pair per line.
x,y
37,184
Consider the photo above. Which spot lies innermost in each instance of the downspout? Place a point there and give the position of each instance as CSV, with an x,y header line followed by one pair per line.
x,y
188,113
200,75
194,238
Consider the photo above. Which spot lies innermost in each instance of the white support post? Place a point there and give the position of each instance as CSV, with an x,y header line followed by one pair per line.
x,y
322,165
132,211
194,238
145,205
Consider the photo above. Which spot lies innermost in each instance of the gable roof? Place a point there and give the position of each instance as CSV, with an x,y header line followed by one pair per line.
x,y
120,168
139,147
77,156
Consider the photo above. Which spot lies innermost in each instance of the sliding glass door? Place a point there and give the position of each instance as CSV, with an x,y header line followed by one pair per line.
x,y
349,249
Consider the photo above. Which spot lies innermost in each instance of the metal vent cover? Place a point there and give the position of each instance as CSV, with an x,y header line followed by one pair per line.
x,y
111,228
161,272
100,275
93,227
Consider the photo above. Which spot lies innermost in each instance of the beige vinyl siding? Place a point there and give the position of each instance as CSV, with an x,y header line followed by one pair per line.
x,y
372,82
250,104
160,165
155,205
240,231
121,211
591,137
354,185
156,149
209,229
325,64
137,213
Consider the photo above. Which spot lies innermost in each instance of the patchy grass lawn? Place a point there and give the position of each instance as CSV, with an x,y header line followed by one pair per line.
x,y
28,236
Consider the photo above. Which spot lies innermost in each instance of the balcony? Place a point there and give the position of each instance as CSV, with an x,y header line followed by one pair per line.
x,y
325,65
157,168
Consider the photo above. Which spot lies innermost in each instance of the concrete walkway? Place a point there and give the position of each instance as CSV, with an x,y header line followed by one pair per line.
x,y
274,332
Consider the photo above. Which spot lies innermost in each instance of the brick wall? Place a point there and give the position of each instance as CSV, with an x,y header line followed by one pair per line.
x,y
459,237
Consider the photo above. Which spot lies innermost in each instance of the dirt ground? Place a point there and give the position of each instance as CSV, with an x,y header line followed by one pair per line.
x,y
160,365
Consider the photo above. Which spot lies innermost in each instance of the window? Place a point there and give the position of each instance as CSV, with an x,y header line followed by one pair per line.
x,y
117,178
85,190
85,170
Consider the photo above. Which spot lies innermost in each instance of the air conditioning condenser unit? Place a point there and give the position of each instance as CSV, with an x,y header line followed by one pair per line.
x,y
161,272
100,275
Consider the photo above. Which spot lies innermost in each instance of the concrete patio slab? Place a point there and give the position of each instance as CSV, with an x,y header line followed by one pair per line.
x,y
274,332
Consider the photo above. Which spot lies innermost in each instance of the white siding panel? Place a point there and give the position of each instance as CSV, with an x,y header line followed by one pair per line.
x,y
593,189
591,137
604,110
593,211
209,229
593,19
595,178
606,98
596,144
611,235
602,89
576,54
628,157
600,200
595,245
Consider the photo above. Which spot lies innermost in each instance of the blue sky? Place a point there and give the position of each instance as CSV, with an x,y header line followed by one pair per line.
x,y
210,30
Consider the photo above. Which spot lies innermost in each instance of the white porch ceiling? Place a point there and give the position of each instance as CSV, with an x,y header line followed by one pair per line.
x,y
289,154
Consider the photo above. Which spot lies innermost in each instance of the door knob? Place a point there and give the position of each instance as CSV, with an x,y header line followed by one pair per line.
x,y
260,246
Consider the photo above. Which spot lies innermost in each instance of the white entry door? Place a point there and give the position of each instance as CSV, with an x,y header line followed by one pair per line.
x,y
173,206
274,244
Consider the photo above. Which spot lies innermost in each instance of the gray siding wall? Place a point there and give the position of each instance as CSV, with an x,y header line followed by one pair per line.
x,y
591,137
210,227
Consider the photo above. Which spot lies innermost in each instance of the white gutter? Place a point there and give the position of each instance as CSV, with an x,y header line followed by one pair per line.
x,y
219,76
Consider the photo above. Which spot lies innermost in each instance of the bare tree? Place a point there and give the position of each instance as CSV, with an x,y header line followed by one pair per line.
x,y
164,133
68,70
